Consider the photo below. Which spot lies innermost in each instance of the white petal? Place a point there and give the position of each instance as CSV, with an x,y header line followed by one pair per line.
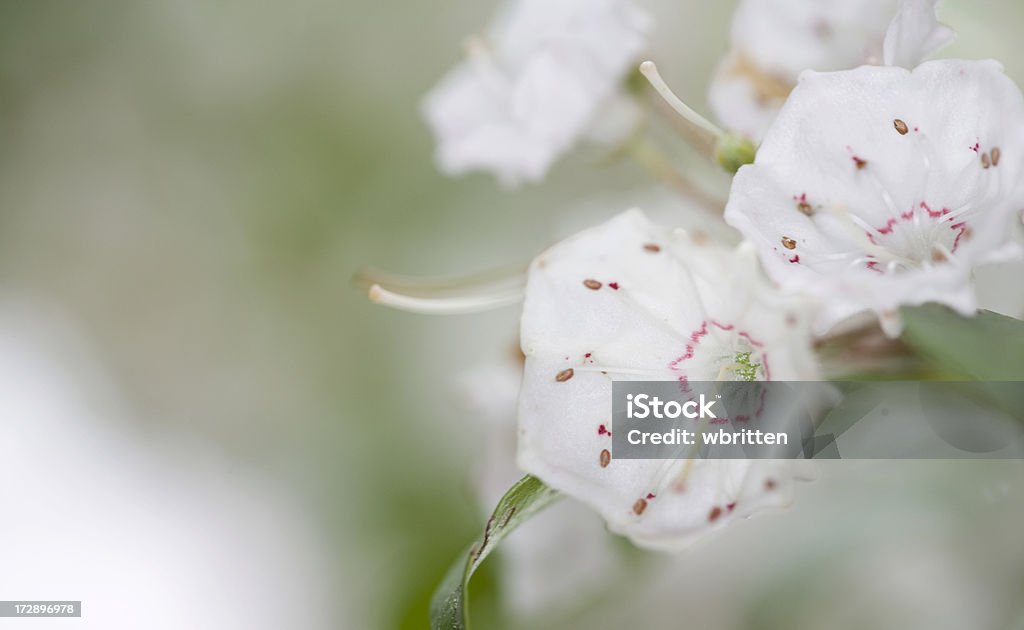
x,y
885,155
773,41
746,98
786,37
562,552
657,289
534,86
914,34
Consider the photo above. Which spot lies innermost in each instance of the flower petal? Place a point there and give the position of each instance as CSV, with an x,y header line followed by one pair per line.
x,y
914,34
533,87
628,300
878,187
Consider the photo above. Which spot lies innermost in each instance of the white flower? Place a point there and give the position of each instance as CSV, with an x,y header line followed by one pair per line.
x,y
533,86
629,300
773,41
879,187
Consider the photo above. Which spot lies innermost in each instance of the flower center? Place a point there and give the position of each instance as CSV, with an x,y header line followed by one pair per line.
x,y
916,238
744,367
722,352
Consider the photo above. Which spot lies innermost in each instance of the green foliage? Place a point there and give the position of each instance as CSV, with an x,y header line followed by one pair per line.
x,y
987,347
449,608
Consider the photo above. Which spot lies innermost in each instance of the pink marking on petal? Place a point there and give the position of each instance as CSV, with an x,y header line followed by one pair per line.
x,y
614,285
795,259
960,235
934,213
753,342
887,228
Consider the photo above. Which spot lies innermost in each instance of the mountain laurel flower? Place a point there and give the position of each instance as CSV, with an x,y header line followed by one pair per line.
x,y
773,41
880,187
628,300
538,82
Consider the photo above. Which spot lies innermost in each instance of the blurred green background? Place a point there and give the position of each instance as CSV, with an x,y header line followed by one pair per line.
x,y
196,182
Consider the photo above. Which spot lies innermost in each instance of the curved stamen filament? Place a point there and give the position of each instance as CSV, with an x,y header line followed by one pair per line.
x,y
444,305
509,278
858,230
650,71
666,374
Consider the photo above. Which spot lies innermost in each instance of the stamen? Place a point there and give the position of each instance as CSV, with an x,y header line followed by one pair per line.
x,y
901,127
803,206
609,369
851,223
650,71
954,215
941,253
606,458
444,306
509,277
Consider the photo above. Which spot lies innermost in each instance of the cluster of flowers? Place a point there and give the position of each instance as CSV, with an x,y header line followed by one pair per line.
x,y
880,181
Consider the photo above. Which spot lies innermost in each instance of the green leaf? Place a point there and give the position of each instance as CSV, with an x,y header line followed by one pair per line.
x,y
850,410
986,347
449,608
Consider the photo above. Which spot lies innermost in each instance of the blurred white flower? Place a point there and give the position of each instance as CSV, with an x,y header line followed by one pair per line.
x,y
629,300
773,41
534,85
880,187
